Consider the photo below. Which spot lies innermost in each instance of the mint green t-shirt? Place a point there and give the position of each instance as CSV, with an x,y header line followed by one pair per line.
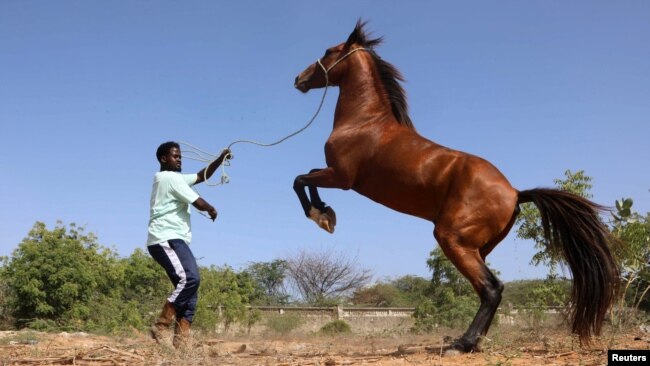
x,y
171,197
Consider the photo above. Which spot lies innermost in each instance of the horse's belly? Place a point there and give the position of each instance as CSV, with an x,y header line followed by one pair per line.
x,y
410,201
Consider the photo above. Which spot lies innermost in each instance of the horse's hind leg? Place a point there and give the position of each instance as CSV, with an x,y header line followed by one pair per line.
x,y
470,263
487,248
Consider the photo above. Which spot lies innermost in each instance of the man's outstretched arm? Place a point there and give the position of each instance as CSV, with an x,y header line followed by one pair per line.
x,y
207,172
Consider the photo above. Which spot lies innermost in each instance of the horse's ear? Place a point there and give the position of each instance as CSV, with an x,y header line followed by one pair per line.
x,y
357,35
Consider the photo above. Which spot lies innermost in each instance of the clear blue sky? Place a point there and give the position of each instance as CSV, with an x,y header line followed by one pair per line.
x,y
88,89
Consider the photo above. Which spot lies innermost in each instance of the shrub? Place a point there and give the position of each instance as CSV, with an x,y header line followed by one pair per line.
x,y
53,274
336,327
447,311
43,325
224,297
283,324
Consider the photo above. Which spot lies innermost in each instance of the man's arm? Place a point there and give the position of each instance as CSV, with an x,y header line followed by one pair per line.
x,y
207,172
203,205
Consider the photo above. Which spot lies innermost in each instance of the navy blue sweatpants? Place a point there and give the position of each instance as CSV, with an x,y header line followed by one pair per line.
x,y
178,261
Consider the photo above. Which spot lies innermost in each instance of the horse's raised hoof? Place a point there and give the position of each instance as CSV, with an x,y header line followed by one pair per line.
x,y
325,220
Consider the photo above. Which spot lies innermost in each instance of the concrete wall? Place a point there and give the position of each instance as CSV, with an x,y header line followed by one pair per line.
x,y
377,320
372,321
519,317
312,319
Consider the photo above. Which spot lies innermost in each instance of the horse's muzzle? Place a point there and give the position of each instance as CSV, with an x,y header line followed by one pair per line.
x,y
301,83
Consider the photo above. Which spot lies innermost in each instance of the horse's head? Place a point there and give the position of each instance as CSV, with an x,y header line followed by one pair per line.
x,y
328,69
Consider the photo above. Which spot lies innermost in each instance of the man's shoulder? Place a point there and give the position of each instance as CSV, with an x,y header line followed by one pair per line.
x,y
166,175
174,177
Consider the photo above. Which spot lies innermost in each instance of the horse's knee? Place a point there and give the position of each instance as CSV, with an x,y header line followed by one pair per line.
x,y
298,183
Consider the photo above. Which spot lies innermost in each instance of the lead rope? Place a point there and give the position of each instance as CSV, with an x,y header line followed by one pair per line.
x,y
204,156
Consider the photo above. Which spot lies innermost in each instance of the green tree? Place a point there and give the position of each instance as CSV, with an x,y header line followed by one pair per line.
x,y
5,312
632,230
269,278
518,293
144,279
404,291
224,297
136,299
379,295
63,279
53,274
553,291
413,288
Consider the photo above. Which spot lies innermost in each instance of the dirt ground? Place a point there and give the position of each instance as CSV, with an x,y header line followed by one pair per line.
x,y
502,348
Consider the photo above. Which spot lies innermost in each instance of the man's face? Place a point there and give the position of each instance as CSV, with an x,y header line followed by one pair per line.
x,y
171,161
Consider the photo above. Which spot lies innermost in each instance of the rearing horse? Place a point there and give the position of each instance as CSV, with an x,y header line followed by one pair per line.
x,y
375,150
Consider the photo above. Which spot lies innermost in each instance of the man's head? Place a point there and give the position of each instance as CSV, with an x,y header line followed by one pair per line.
x,y
169,156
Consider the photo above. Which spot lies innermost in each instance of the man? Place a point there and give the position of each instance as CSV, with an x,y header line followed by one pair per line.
x,y
170,235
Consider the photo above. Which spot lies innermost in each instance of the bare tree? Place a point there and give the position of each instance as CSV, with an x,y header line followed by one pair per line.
x,y
325,274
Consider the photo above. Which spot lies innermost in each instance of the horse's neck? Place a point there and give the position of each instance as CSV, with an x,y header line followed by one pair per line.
x,y
361,98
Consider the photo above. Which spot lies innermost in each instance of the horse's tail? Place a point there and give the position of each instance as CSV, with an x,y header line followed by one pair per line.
x,y
572,228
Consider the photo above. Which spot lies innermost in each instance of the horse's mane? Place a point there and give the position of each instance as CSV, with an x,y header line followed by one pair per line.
x,y
390,76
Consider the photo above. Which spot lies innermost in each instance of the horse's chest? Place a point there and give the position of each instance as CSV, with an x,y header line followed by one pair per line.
x,y
351,144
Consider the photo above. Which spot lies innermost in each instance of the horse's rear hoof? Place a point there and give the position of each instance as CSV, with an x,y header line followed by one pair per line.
x,y
450,352
459,347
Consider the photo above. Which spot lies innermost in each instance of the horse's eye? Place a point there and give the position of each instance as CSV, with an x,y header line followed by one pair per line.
x,y
327,53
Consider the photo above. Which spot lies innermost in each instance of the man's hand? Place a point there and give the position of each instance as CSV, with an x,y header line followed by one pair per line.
x,y
205,173
203,205
226,154
213,213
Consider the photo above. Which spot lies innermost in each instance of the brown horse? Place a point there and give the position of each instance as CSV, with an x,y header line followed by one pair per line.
x,y
375,150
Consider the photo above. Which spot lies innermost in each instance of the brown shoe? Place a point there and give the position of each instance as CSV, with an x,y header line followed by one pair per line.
x,y
162,323
182,336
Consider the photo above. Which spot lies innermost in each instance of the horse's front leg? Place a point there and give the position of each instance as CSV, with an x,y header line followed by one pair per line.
x,y
313,206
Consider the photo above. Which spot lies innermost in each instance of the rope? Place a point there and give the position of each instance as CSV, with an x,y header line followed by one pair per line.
x,y
204,156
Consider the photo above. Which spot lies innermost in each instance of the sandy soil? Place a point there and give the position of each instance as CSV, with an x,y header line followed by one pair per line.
x,y
514,349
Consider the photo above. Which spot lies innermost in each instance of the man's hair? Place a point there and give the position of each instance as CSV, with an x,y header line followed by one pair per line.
x,y
164,148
